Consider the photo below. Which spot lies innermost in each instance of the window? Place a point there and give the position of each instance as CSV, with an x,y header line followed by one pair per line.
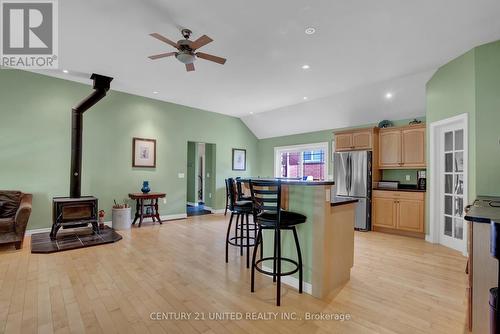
x,y
302,161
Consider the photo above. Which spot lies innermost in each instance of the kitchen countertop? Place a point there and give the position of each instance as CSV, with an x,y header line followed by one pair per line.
x,y
337,200
483,214
401,189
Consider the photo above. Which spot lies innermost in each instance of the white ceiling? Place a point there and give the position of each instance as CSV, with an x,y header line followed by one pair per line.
x,y
359,48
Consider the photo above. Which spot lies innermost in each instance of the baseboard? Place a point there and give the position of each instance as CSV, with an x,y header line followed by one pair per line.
x,y
428,238
108,223
293,282
214,210
37,230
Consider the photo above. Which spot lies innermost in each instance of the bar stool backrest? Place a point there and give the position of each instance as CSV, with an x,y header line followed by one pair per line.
x,y
239,188
266,196
231,190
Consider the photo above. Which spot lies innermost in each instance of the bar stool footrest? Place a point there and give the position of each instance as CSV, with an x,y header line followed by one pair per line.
x,y
270,273
238,244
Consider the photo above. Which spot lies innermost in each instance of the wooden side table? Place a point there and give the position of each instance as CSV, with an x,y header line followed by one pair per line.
x,y
140,206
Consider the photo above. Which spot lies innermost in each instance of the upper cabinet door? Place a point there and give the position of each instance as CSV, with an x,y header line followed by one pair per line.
x,y
362,140
414,147
343,142
390,148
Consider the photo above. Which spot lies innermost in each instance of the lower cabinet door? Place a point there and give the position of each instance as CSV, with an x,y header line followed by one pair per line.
x,y
410,215
384,212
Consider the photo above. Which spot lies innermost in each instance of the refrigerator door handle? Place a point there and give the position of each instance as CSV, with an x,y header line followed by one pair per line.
x,y
349,174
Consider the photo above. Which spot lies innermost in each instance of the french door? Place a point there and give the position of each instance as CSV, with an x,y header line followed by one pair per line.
x,y
453,186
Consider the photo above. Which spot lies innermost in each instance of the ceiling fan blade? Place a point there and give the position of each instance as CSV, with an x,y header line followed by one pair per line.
x,y
164,39
210,57
190,67
203,40
162,55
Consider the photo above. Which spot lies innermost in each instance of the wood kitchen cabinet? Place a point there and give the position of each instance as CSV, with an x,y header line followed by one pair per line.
x,y
398,212
359,139
402,147
390,148
384,212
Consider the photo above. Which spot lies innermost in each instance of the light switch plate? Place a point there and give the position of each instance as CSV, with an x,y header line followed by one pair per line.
x,y
408,177
208,174
180,175
164,201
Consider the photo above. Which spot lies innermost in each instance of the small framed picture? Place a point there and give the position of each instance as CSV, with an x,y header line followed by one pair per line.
x,y
239,159
144,152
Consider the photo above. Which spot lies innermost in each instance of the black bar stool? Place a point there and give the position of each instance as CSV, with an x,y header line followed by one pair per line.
x,y
266,197
239,189
242,210
227,198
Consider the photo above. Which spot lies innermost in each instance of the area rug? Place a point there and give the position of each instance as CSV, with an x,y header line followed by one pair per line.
x,y
74,239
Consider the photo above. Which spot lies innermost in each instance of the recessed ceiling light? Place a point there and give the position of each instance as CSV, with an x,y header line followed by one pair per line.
x,y
305,67
65,71
310,31
305,97
389,95
251,112
155,92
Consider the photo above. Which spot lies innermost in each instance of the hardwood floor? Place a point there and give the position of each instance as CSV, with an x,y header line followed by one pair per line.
x,y
398,285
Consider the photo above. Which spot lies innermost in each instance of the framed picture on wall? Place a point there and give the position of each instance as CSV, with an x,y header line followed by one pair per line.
x,y
239,159
143,152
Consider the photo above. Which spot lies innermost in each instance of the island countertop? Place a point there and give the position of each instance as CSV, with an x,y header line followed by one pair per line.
x,y
289,181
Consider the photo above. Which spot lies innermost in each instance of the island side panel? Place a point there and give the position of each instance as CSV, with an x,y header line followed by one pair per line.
x,y
338,250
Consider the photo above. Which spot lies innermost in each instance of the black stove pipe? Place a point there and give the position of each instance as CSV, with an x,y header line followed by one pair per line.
x,y
101,86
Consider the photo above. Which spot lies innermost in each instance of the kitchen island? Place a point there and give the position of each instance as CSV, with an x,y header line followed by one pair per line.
x,y
482,266
326,239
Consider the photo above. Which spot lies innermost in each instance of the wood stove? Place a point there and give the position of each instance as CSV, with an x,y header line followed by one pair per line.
x,y
74,212
77,211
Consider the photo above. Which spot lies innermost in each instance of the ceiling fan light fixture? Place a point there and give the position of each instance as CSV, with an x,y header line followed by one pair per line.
x,y
185,58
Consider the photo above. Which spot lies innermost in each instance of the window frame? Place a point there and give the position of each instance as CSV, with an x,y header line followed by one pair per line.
x,y
302,147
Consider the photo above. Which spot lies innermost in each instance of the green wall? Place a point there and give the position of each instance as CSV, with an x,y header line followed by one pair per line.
x,y
400,175
471,84
451,92
487,81
35,143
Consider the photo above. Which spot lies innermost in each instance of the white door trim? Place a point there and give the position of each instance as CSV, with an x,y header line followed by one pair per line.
x,y
434,173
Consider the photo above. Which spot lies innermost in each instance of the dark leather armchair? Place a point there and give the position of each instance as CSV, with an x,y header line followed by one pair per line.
x,y
15,211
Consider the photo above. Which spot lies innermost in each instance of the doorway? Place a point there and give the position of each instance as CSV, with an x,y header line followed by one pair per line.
x,y
449,177
200,178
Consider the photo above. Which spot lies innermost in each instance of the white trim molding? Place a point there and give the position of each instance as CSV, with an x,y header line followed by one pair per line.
x,y
434,187
302,147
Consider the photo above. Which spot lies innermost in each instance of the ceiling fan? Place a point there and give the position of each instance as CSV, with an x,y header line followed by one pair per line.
x,y
186,49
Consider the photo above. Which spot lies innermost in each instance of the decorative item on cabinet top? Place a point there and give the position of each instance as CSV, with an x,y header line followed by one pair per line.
x,y
385,124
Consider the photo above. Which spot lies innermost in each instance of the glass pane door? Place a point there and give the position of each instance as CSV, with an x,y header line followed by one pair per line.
x,y
453,175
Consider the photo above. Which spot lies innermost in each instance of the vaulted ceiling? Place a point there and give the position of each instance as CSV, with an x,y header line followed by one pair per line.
x,y
361,50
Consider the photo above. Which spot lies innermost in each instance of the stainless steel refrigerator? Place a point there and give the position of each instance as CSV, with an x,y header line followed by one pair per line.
x,y
353,178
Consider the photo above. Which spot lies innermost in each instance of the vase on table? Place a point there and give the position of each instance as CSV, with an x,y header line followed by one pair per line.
x,y
145,187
